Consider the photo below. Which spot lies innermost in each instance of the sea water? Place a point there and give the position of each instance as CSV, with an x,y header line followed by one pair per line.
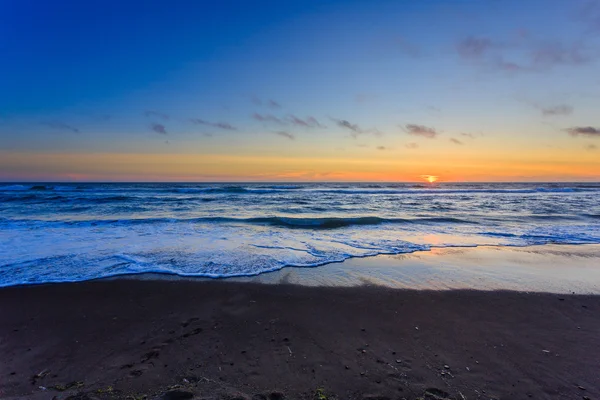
x,y
72,232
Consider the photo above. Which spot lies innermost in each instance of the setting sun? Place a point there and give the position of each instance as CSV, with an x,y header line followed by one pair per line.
x,y
430,178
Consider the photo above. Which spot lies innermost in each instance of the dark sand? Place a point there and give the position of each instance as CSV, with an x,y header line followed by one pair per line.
x,y
129,338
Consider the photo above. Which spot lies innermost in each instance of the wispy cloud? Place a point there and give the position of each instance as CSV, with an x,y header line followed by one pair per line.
x,y
421,130
412,145
152,114
309,122
220,125
456,141
551,54
469,135
273,104
591,147
61,126
268,118
286,135
584,131
381,148
159,128
342,123
561,109
474,47
527,53
268,102
354,129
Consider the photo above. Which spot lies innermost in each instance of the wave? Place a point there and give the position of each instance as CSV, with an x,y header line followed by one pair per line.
x,y
39,187
14,187
276,221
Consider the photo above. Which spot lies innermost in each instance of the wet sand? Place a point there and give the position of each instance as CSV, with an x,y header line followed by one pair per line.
x,y
128,338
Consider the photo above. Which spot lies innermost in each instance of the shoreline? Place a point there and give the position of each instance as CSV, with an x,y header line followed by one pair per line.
x,y
485,267
113,339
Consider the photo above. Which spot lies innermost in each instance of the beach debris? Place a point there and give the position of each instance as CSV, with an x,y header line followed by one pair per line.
x,y
39,375
447,366
109,389
468,369
545,351
398,361
580,388
320,394
70,385
43,388
290,350
416,327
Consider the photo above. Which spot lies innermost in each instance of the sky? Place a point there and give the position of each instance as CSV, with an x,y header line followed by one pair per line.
x,y
330,90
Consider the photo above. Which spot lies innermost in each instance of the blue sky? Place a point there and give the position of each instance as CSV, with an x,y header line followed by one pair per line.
x,y
338,79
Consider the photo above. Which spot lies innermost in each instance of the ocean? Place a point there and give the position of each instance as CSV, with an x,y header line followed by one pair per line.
x,y
72,232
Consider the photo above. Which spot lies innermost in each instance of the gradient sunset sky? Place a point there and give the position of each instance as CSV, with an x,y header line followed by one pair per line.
x,y
486,90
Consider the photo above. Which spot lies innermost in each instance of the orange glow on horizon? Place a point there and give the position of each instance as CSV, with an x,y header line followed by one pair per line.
x,y
134,167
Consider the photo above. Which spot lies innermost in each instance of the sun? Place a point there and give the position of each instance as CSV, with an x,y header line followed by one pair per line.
x,y
430,178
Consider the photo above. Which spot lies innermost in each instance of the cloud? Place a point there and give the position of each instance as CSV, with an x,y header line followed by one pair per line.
x,y
269,102
285,134
220,125
159,128
533,55
591,147
469,135
267,118
273,104
151,114
412,145
309,122
345,124
420,130
552,54
584,131
434,109
474,47
354,129
456,141
561,109
381,148
60,126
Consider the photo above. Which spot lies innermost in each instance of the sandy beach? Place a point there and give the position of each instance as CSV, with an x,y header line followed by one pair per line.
x,y
136,339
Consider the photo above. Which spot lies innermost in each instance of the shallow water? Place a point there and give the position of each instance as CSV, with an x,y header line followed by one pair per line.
x,y
544,268
70,232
